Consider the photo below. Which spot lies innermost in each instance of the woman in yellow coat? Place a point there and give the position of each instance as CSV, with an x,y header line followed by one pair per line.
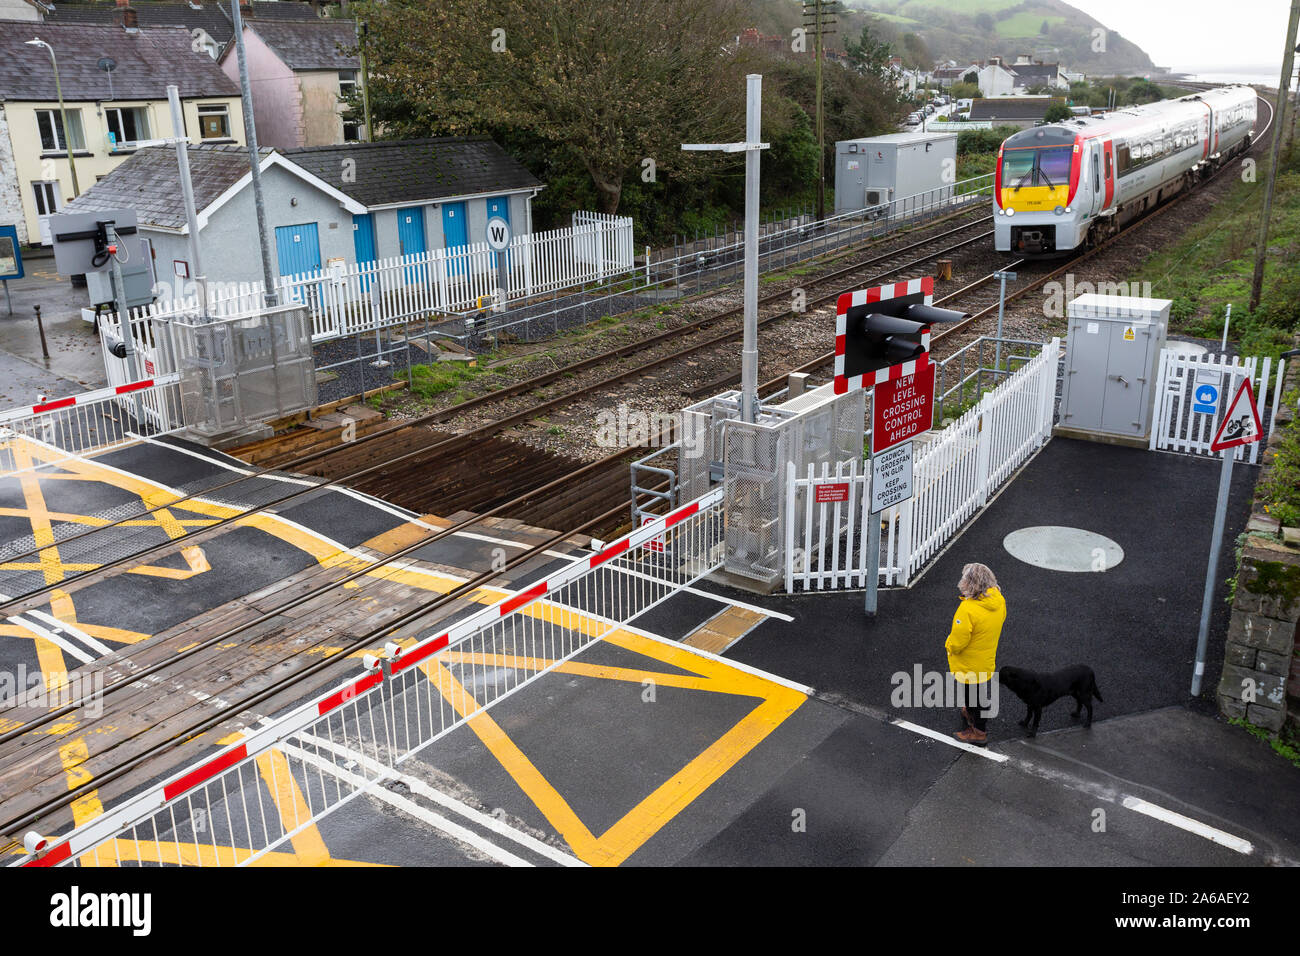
x,y
972,647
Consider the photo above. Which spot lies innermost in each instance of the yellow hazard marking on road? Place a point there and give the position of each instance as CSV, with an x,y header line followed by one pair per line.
x,y
308,847
670,798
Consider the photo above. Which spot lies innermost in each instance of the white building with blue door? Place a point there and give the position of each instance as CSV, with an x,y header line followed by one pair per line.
x,y
347,204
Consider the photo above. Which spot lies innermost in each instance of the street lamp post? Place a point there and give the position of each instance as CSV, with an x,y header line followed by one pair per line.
x,y
63,114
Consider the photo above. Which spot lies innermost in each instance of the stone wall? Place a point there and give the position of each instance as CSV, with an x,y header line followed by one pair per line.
x,y
1261,667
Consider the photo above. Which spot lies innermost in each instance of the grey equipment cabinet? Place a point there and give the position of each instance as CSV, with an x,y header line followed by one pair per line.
x,y
1112,359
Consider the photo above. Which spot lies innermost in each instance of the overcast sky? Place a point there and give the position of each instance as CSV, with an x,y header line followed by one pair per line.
x,y
1199,35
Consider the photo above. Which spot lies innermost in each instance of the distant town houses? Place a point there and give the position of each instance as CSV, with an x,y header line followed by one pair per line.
x,y
113,80
996,76
301,72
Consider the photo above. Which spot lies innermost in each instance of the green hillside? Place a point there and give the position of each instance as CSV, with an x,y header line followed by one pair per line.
x,y
977,29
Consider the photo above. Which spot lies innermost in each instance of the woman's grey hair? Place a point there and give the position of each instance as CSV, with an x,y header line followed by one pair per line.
x,y
976,579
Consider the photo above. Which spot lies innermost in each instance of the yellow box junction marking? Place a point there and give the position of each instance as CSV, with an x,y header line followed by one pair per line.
x,y
625,837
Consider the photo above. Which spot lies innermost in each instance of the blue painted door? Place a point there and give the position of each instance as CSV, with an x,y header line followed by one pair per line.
x,y
410,238
455,232
500,206
298,248
363,242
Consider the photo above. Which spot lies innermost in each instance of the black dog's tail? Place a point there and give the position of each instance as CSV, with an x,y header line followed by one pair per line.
x,y
1096,693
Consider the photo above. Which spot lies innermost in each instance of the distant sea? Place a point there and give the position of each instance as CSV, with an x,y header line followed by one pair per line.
x,y
1265,76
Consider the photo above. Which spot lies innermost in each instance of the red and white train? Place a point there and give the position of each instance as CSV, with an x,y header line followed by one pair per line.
x,y
1070,184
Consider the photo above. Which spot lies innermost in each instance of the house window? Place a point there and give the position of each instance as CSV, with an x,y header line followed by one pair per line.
x,y
214,121
127,125
347,83
50,123
47,198
351,131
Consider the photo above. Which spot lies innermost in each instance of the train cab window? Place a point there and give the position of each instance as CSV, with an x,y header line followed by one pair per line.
x,y
1017,168
1054,166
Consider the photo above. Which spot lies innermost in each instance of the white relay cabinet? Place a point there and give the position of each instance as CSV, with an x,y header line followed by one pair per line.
x,y
1112,359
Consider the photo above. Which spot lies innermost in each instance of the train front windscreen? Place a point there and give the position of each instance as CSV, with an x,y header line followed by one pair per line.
x,y
1035,178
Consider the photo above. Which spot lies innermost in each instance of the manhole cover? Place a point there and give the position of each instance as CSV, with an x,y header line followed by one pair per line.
x,y
1185,348
1063,549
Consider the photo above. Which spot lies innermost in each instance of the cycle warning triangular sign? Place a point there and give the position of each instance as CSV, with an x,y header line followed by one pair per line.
x,y
1240,426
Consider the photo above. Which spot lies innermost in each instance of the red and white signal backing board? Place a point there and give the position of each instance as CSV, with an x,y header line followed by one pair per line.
x,y
1241,425
919,291
902,408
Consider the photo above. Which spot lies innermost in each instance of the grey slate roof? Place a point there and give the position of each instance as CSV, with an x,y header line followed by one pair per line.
x,y
416,170
147,61
149,182
406,172
209,15
310,45
1012,107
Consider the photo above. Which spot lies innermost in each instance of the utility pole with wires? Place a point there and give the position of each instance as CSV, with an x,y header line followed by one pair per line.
x,y
1283,101
819,20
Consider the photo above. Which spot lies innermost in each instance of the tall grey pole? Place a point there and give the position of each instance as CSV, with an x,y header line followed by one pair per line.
x,y
187,192
254,155
124,323
873,541
1002,303
1279,126
1216,542
749,351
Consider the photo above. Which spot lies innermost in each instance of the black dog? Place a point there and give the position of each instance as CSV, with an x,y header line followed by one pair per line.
x,y
1039,690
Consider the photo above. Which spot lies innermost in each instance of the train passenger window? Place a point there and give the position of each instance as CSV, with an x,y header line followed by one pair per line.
x,y
1109,169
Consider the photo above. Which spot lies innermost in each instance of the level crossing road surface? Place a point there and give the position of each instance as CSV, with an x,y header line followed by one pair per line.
x,y
726,728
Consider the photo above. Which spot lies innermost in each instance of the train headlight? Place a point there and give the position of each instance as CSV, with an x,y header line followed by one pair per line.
x,y
1059,210
1068,209
1011,212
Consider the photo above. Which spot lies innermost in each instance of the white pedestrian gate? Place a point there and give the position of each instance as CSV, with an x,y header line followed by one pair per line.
x,y
1184,422
953,476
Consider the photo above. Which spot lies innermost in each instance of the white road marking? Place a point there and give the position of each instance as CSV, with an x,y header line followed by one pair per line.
x,y
711,596
53,638
950,741
72,631
1213,834
373,788
451,803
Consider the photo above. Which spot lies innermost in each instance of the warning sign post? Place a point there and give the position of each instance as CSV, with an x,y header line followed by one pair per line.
x,y
1240,426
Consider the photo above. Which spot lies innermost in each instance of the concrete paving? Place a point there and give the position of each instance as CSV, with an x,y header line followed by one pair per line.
x,y
75,363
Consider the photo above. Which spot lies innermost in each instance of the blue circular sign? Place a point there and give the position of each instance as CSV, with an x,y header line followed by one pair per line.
x,y
1207,394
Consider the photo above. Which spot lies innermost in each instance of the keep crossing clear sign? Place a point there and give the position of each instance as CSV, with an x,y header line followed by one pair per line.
x,y
891,477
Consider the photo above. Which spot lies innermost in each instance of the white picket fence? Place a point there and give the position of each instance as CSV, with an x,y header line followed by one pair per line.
x,y
953,476
1180,427
370,296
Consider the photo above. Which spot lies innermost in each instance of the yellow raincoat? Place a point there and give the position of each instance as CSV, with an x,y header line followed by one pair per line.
x,y
972,643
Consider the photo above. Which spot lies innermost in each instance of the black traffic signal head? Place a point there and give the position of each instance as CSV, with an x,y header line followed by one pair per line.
x,y
881,328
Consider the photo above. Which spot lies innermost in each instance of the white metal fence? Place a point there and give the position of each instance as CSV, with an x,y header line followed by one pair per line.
x,y
953,476
1184,423
224,811
366,297
86,423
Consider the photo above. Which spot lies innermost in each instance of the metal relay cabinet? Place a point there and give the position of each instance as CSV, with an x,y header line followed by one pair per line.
x,y
1112,359
877,171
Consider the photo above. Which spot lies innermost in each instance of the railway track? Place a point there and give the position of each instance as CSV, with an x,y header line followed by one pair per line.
x,y
979,297
421,449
